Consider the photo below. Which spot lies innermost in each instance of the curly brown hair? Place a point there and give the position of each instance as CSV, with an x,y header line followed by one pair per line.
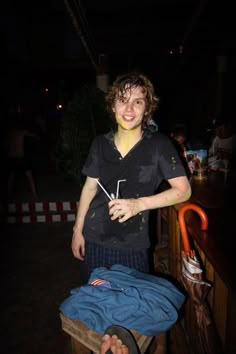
x,y
124,83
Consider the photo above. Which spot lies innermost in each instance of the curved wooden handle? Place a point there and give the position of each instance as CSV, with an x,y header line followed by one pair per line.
x,y
182,224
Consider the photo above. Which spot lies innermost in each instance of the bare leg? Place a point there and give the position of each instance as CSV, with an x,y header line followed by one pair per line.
x,y
32,184
114,344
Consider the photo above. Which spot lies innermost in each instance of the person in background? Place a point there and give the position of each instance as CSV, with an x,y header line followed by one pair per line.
x,y
222,159
222,149
17,159
196,161
178,136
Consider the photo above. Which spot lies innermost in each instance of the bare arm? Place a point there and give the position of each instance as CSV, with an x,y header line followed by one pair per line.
x,y
179,191
88,192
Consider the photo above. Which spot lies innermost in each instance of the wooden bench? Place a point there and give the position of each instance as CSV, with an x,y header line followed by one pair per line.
x,y
84,340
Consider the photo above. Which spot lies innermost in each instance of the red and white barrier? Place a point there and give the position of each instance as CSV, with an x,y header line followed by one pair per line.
x,y
41,207
41,212
27,219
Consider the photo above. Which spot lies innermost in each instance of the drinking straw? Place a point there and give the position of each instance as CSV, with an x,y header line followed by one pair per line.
x,y
104,190
118,186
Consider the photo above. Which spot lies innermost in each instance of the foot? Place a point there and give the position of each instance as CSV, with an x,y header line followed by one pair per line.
x,y
114,344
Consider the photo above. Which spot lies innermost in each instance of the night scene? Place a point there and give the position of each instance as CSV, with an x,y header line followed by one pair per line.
x,y
118,155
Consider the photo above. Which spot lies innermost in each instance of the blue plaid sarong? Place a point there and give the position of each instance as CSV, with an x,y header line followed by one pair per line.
x,y
99,256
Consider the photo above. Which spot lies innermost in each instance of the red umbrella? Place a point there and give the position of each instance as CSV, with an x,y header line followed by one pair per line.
x,y
196,286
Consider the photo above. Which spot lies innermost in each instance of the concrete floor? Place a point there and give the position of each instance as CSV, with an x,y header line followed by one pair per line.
x,y
38,272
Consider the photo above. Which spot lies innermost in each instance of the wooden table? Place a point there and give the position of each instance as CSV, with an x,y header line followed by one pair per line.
x,y
84,340
215,250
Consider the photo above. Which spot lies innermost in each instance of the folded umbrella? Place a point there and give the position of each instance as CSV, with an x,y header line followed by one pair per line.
x,y
196,286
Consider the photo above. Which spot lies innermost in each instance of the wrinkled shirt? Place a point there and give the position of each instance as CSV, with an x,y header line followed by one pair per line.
x,y
152,160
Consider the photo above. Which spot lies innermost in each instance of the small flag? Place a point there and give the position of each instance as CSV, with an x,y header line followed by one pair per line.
x,y
100,282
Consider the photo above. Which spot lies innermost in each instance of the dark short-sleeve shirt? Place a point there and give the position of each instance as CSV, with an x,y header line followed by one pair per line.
x,y
152,160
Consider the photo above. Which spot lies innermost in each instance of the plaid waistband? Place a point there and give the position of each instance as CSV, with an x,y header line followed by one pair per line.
x,y
99,256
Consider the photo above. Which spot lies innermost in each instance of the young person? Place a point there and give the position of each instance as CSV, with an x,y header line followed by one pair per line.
x,y
129,163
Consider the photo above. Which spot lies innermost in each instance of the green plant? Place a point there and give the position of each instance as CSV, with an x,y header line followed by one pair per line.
x,y
84,118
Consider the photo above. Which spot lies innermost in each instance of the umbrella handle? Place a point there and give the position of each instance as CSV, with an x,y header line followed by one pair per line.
x,y
182,224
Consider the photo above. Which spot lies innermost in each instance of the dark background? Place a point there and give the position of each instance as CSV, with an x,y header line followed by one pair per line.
x,y
186,47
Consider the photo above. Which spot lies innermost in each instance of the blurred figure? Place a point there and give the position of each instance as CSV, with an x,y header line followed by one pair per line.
x,y
223,145
190,162
222,158
17,161
178,136
196,161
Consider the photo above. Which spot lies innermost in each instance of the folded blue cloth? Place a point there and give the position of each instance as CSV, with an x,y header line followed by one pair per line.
x,y
125,297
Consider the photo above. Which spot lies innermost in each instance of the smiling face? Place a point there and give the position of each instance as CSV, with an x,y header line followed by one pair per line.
x,y
129,108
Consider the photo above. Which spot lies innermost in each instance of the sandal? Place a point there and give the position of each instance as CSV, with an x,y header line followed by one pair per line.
x,y
125,336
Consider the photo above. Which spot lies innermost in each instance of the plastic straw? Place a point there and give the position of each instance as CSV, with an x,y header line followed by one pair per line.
x,y
104,190
118,186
